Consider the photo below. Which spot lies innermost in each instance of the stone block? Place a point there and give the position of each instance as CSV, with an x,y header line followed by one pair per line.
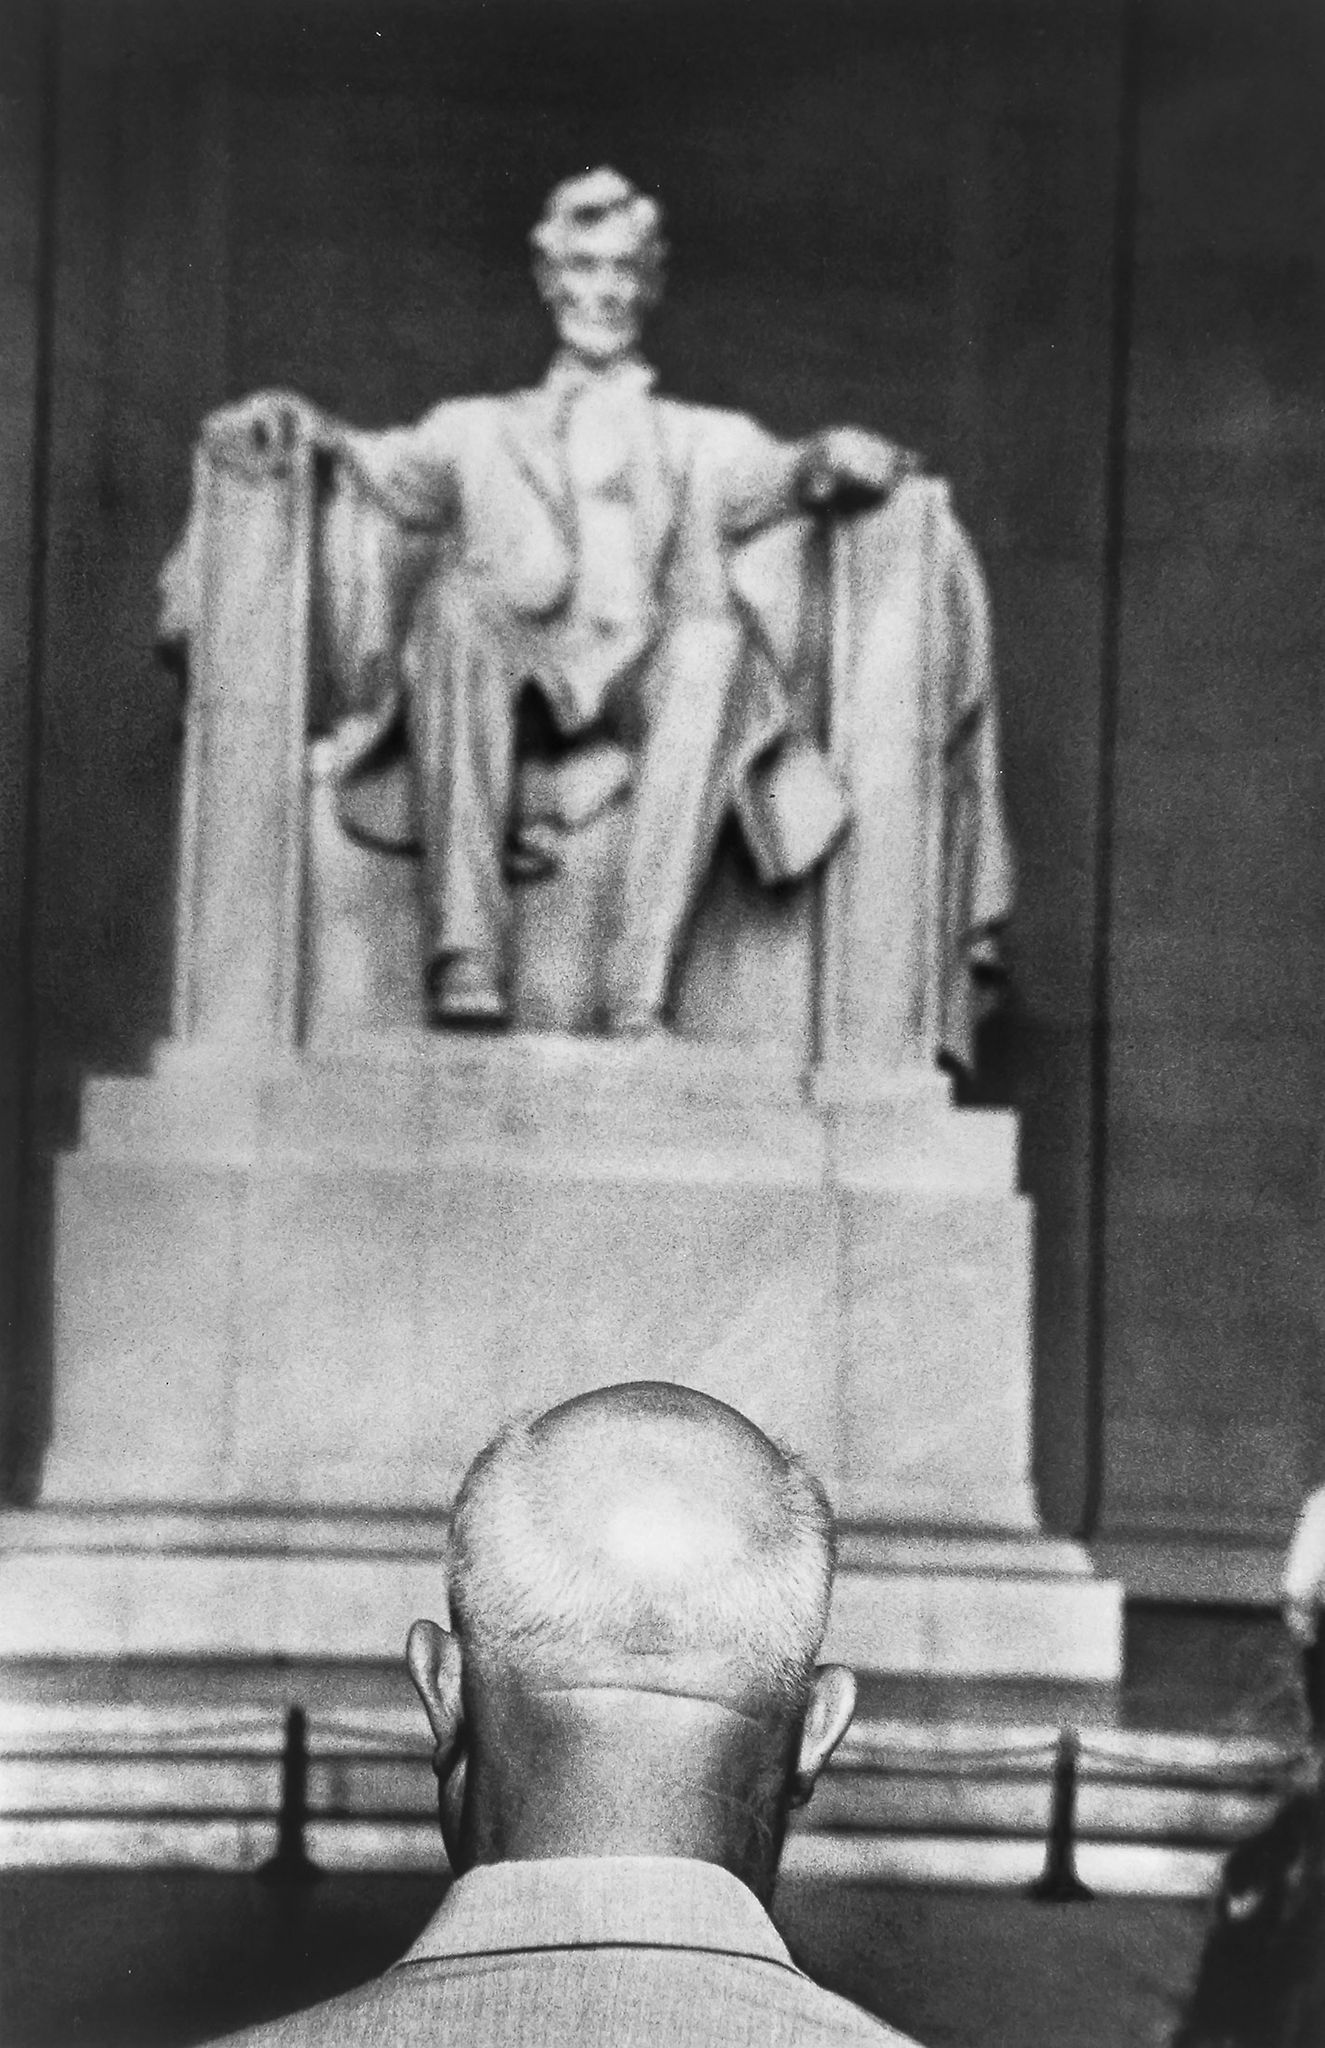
x,y
935,1387
210,1109
327,1113
338,1397
1004,1624
323,1280
145,1289
914,1142
730,1289
959,1615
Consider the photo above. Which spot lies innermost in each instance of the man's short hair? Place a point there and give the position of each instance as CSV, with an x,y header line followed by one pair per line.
x,y
531,1587
579,204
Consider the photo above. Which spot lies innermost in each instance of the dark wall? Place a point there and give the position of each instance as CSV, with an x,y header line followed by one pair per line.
x,y
24,230
1214,1376
907,213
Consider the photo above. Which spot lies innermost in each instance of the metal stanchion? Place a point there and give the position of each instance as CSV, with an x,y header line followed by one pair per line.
x,y
1058,1883
292,1863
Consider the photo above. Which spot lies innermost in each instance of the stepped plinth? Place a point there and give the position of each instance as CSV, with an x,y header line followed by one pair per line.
x,y
297,1291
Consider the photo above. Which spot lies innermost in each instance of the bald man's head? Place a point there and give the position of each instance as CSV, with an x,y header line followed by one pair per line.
x,y
643,1536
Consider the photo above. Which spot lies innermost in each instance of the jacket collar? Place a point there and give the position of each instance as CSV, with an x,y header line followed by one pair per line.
x,y
591,1901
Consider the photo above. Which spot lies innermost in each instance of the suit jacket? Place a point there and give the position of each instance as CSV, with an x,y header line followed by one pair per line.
x,y
495,469
618,1952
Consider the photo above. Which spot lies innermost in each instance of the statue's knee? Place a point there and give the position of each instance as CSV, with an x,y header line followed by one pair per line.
x,y
462,642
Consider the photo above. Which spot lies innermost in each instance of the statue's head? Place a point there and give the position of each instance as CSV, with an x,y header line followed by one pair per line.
x,y
598,262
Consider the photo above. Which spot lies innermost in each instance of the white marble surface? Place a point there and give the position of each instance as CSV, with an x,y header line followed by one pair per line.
x,y
324,1280
316,1284
227,1601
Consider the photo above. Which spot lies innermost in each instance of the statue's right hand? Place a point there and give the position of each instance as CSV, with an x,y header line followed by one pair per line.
x,y
259,433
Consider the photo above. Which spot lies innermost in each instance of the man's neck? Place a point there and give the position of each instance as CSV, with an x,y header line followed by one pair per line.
x,y
621,1772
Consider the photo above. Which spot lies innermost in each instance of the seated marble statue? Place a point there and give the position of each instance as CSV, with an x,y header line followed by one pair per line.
x,y
586,637
586,606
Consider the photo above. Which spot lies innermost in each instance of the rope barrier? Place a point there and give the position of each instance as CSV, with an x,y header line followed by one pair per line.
x,y
1063,1758
1270,1765
937,1762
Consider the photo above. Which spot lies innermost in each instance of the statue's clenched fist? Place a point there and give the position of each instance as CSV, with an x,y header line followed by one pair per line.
x,y
259,433
848,468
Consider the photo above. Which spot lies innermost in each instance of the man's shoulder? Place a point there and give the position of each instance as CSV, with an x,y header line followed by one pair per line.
x,y
742,2003
352,2020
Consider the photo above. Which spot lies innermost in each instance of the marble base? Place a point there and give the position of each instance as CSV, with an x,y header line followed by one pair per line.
x,y
312,1286
323,1281
346,1588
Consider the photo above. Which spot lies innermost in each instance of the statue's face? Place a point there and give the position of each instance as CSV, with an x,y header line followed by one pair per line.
x,y
596,292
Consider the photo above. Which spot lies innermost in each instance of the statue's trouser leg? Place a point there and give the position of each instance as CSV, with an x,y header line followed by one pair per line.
x,y
461,709
679,798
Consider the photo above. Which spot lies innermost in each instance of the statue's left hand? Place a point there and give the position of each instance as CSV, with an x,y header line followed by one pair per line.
x,y
847,468
258,433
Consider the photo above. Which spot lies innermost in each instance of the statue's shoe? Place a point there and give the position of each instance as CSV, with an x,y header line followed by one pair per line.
x,y
460,994
635,1020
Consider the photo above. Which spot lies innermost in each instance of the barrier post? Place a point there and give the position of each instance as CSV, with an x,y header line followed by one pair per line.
x,y
292,1863
1058,1883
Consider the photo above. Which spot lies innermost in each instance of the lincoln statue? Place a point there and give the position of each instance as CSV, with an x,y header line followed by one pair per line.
x,y
558,634
587,599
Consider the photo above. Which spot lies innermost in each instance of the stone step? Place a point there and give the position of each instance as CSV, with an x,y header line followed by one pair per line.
x,y
245,1586
235,1265
586,1108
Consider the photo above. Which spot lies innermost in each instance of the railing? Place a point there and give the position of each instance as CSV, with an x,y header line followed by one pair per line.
x,y
1259,1775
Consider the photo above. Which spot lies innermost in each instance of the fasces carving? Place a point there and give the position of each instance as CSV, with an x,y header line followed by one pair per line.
x,y
530,614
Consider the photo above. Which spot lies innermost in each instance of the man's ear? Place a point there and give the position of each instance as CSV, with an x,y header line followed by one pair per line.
x,y
434,1662
827,1718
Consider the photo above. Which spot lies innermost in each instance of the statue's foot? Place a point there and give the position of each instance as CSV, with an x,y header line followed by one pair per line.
x,y
635,1020
462,995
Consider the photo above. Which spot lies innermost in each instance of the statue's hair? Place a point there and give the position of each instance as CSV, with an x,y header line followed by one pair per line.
x,y
579,204
532,1586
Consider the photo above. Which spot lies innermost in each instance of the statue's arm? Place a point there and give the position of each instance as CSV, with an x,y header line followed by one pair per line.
x,y
383,503
842,469
408,472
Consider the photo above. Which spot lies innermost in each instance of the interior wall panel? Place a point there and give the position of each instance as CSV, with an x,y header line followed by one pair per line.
x,y
1212,1326
25,180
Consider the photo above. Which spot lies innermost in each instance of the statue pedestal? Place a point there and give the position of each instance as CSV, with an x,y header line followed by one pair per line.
x,y
296,1292
308,1266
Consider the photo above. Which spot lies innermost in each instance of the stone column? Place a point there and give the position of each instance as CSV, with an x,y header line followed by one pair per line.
x,y
241,885
878,977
